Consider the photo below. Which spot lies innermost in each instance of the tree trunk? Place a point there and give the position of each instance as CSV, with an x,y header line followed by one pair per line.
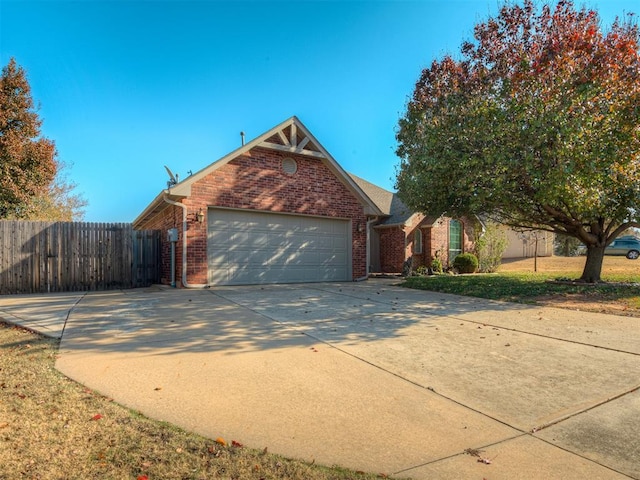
x,y
593,265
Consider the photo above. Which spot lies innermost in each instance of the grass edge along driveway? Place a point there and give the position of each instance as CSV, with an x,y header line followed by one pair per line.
x,y
52,427
619,294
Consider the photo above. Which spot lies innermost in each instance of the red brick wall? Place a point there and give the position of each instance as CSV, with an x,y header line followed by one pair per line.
x,y
468,241
439,244
397,243
392,248
256,181
440,239
421,258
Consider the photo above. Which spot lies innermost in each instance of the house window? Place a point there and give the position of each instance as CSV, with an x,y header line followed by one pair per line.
x,y
455,239
417,241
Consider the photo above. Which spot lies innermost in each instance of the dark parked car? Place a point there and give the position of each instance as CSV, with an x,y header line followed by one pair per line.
x,y
628,246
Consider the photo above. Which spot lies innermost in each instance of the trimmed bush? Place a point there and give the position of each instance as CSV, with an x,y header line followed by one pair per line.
x,y
465,263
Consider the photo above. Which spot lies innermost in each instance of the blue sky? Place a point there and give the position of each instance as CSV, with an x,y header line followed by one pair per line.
x,y
126,87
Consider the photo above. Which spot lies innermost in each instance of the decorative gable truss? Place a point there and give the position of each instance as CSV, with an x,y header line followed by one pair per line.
x,y
290,139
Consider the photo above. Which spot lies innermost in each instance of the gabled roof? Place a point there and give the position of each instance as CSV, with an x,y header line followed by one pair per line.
x,y
396,212
290,136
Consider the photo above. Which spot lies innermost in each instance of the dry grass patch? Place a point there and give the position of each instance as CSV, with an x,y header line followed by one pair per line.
x,y
572,266
52,427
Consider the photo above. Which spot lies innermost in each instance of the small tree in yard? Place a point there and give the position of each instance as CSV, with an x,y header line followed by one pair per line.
x,y
490,244
537,127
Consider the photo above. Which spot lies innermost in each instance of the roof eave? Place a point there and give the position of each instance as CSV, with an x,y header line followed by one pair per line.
x,y
156,205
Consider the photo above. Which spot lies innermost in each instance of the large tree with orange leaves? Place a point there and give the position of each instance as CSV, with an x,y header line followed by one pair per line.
x,y
537,126
27,160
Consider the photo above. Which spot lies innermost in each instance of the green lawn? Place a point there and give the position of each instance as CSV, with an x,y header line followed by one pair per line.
x,y
527,287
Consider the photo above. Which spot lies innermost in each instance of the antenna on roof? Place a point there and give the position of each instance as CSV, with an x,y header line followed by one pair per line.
x,y
173,179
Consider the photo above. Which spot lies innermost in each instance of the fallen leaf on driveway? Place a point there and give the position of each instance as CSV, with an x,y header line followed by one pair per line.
x,y
474,452
220,441
96,417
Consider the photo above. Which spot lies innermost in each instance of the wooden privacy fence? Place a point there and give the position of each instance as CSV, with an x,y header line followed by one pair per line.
x,y
38,257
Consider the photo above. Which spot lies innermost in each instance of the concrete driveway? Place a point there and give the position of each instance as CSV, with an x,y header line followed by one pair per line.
x,y
367,375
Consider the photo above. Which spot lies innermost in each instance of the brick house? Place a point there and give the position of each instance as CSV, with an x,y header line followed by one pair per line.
x,y
280,209
402,235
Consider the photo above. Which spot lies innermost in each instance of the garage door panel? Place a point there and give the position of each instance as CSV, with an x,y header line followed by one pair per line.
x,y
335,259
325,243
240,257
277,239
285,259
218,237
258,242
339,243
240,237
254,247
218,258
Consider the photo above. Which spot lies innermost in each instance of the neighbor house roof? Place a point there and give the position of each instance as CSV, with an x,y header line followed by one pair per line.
x,y
289,136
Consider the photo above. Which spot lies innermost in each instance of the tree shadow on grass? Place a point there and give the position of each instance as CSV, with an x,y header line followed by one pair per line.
x,y
521,288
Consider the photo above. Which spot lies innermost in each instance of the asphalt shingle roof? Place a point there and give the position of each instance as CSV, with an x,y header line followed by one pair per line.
x,y
388,202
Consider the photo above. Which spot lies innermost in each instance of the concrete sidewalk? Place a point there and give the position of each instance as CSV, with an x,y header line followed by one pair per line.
x,y
45,314
367,375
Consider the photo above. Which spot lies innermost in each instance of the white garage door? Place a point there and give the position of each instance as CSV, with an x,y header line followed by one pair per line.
x,y
246,248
